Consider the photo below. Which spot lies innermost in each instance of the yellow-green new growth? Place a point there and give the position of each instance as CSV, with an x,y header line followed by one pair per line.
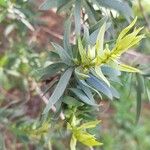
x,y
123,43
97,55
80,134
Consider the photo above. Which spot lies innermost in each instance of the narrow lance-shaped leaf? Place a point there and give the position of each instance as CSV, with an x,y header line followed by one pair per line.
x,y
100,74
123,44
140,90
63,54
126,30
66,40
96,91
77,16
89,11
126,68
86,37
100,40
83,97
87,91
59,90
70,101
81,50
127,42
100,86
109,71
80,134
50,70
88,125
114,92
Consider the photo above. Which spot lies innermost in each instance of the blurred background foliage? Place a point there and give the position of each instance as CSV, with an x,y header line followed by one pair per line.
x,y
25,36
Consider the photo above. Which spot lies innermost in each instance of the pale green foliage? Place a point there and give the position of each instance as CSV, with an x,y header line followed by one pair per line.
x,y
80,134
33,130
97,55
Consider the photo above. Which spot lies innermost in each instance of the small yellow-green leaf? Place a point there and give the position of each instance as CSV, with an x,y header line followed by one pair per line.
x,y
81,50
90,124
100,39
125,31
91,53
100,74
137,40
126,42
86,138
105,57
126,68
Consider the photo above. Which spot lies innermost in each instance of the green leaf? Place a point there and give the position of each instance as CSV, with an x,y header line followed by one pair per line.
x,y
88,125
63,54
140,90
141,82
100,74
100,39
51,70
118,5
82,96
109,71
85,84
66,40
126,68
70,101
48,4
53,56
95,30
86,138
59,90
100,86
126,30
80,134
98,24
77,17
89,11
114,92
81,50
123,44
86,37
87,91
